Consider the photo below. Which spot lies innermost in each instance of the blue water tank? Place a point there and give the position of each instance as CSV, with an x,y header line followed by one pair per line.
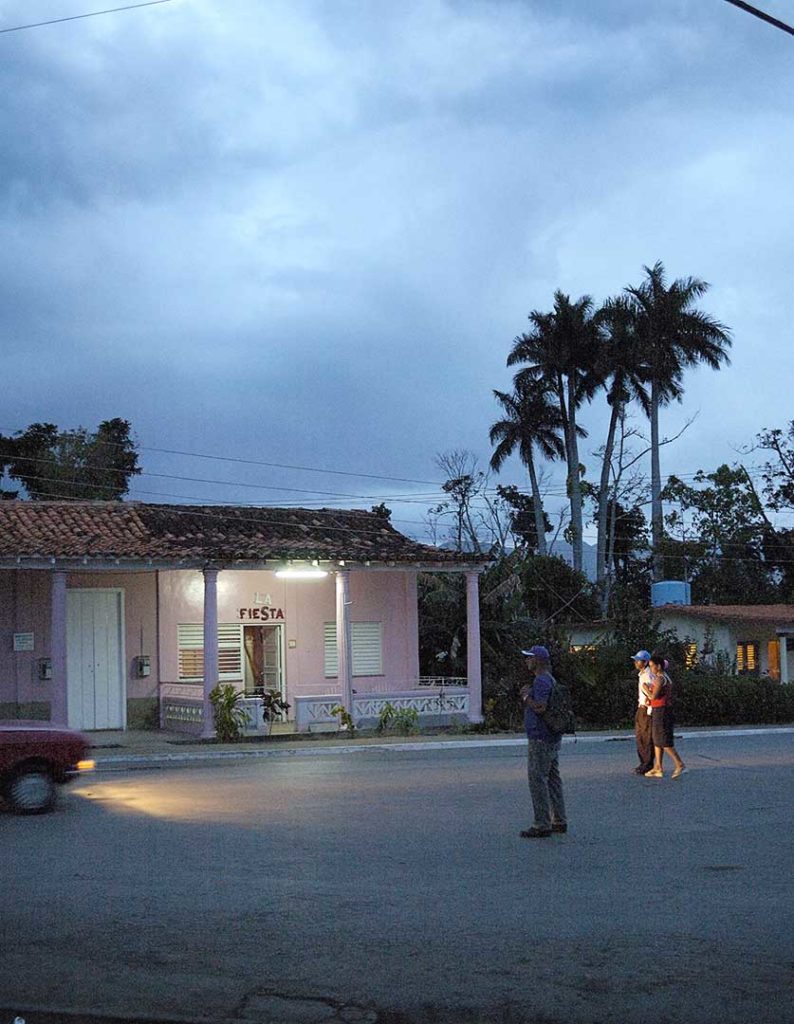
x,y
670,592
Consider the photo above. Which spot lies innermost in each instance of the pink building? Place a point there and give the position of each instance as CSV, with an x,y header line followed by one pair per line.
x,y
116,615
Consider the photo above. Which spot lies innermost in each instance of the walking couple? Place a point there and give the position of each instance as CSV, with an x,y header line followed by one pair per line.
x,y
653,725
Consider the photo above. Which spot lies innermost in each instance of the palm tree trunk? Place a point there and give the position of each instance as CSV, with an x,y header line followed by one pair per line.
x,y
610,555
575,484
657,531
603,505
537,508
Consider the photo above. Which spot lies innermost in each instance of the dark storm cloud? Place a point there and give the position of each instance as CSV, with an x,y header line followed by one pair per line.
x,y
311,230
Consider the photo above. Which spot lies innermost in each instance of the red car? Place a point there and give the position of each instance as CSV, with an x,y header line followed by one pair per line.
x,y
34,758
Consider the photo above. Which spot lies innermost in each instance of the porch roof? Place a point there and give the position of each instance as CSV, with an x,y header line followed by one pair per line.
x,y
68,532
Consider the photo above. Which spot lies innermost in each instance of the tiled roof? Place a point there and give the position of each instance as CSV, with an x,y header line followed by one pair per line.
x,y
772,614
121,530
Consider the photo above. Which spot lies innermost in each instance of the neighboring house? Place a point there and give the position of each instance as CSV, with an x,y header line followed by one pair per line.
x,y
752,639
117,615
749,639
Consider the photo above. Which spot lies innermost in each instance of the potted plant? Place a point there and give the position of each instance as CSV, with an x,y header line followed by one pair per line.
x,y
273,707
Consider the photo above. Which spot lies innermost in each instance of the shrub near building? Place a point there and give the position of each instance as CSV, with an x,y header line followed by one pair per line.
x,y
603,685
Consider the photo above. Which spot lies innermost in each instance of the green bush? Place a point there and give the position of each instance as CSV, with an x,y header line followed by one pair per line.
x,y
229,716
345,718
603,686
404,721
703,698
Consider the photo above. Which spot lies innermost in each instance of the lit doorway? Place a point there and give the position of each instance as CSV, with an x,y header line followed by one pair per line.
x,y
264,660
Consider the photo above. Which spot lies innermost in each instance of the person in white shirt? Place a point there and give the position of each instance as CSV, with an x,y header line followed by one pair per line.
x,y
642,720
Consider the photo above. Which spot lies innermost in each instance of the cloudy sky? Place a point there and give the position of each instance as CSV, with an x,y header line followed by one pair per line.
x,y
306,232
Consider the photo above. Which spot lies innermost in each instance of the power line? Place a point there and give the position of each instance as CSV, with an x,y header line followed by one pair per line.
x,y
78,17
257,462
762,15
558,491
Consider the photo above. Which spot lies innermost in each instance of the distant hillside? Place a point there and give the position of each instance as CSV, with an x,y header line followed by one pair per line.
x,y
563,550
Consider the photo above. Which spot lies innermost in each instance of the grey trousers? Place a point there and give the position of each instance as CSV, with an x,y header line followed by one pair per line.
x,y
545,784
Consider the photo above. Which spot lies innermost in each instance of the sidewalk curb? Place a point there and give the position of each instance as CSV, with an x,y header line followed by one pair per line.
x,y
120,762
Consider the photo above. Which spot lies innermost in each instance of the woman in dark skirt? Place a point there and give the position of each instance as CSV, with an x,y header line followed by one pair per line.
x,y
660,692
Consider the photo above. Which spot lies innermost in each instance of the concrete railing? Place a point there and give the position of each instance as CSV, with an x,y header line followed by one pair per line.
x,y
438,700
440,706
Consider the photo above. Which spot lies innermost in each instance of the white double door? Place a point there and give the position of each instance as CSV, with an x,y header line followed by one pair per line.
x,y
96,692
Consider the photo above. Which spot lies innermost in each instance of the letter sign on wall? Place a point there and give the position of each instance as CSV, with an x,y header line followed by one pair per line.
x,y
265,614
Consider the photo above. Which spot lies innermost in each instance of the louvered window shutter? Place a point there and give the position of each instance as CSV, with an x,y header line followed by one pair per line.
x,y
367,649
190,641
367,641
330,660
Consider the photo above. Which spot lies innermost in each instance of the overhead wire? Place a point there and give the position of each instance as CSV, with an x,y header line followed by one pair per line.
x,y
411,497
79,17
201,512
758,13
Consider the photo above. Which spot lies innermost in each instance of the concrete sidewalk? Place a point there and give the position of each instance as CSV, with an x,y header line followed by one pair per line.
x,y
118,750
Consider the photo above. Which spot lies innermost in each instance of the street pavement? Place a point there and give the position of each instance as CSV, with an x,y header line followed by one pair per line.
x,y
318,882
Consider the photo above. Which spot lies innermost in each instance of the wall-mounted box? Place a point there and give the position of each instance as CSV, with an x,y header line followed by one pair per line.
x,y
143,666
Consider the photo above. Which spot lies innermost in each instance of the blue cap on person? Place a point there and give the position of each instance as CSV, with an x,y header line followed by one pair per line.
x,y
541,653
641,656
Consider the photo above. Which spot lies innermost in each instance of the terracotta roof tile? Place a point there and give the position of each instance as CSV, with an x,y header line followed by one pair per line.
x,y
95,530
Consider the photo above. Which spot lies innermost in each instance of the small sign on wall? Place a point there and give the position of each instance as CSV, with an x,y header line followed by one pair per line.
x,y
23,641
262,614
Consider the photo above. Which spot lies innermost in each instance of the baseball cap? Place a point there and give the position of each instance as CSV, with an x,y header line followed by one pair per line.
x,y
641,656
537,652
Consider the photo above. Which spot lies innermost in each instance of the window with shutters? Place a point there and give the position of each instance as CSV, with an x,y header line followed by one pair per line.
x,y
773,658
746,657
367,654
190,643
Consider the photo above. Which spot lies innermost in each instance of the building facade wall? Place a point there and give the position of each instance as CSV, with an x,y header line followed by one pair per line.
x,y
722,636
301,608
155,603
25,609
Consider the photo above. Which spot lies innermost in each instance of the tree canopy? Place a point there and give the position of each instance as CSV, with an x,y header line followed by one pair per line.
x,y
53,464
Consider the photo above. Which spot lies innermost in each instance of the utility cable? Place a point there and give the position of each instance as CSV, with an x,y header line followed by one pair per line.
x,y
78,17
762,15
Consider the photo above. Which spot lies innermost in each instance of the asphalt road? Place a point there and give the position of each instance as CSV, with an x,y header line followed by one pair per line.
x,y
391,886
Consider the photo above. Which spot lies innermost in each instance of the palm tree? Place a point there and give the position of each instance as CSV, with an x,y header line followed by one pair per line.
x,y
674,336
531,421
561,351
623,371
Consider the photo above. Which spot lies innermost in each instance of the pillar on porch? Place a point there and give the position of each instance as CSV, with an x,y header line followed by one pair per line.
x,y
344,643
473,658
59,709
783,657
210,648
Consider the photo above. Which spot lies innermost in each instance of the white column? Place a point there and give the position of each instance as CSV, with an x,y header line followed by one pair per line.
x,y
59,710
344,642
473,659
210,648
411,630
783,658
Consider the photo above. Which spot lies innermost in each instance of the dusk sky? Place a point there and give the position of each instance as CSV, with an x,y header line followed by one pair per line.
x,y
307,232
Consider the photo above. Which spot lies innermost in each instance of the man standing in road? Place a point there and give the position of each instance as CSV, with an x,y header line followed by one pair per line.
x,y
642,720
543,750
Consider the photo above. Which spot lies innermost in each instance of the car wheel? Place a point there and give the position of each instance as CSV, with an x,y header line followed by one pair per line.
x,y
31,791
